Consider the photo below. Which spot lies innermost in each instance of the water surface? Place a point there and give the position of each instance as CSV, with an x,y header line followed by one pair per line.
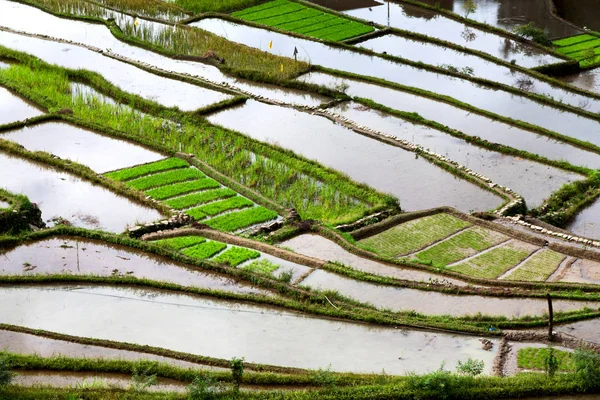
x,y
587,222
14,108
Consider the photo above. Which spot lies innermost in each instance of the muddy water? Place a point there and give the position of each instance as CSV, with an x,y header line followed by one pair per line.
x,y
434,303
587,80
508,14
582,271
418,183
531,180
297,270
62,379
15,109
85,257
319,247
23,343
497,101
98,152
416,19
32,20
62,195
587,222
261,335
587,330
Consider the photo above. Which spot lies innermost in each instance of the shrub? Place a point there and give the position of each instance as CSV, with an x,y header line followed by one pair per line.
x,y
551,364
587,368
237,371
471,367
531,32
6,375
204,387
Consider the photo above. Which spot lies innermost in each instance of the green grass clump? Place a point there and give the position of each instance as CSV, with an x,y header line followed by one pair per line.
x,y
465,244
178,243
263,266
413,235
165,178
194,199
495,262
539,267
295,17
533,358
225,205
145,169
236,255
165,192
204,250
241,219
201,6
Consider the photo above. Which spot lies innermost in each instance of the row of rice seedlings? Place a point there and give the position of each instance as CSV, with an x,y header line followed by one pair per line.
x,y
242,219
537,358
181,242
201,6
204,250
146,169
165,178
315,192
495,262
235,256
169,191
539,267
194,199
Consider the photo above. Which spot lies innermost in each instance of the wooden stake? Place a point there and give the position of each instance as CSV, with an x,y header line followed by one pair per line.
x,y
550,317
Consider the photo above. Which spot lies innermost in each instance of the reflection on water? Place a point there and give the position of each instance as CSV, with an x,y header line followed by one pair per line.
x,y
15,109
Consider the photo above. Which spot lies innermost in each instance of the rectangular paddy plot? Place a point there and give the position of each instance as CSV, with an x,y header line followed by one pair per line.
x,y
538,267
464,244
413,235
294,17
583,48
182,187
203,249
495,262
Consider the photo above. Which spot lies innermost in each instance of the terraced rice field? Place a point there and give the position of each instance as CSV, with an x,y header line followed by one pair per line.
x,y
294,17
583,48
182,187
413,235
537,268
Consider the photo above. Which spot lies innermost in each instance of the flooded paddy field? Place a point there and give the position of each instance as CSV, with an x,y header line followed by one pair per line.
x,y
62,195
96,151
587,80
15,109
261,335
587,222
386,168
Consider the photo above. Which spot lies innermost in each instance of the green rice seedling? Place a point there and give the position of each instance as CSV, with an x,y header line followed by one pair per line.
x,y
224,205
165,192
194,199
571,40
262,266
179,243
413,235
495,262
539,267
196,213
465,244
241,219
201,6
165,178
236,256
140,170
533,358
204,250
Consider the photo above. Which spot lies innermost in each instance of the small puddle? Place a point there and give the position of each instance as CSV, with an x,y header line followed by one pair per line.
x,y
434,303
167,91
24,343
430,23
324,249
85,257
418,183
507,15
260,334
14,108
62,195
532,180
587,222
98,152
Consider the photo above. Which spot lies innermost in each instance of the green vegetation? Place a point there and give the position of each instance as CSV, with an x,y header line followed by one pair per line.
x,y
219,207
495,262
263,266
165,178
6,374
584,48
539,267
194,199
20,213
201,6
204,250
465,244
529,31
236,255
146,169
413,235
242,219
168,191
533,358
295,17
181,242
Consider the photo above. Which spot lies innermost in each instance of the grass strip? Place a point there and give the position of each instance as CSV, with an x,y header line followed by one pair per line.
x,y
146,169
224,205
194,199
165,192
179,243
241,219
236,256
165,178
539,267
534,358
571,40
204,250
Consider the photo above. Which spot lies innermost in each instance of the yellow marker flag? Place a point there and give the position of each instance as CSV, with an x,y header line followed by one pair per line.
x,y
281,67
271,44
